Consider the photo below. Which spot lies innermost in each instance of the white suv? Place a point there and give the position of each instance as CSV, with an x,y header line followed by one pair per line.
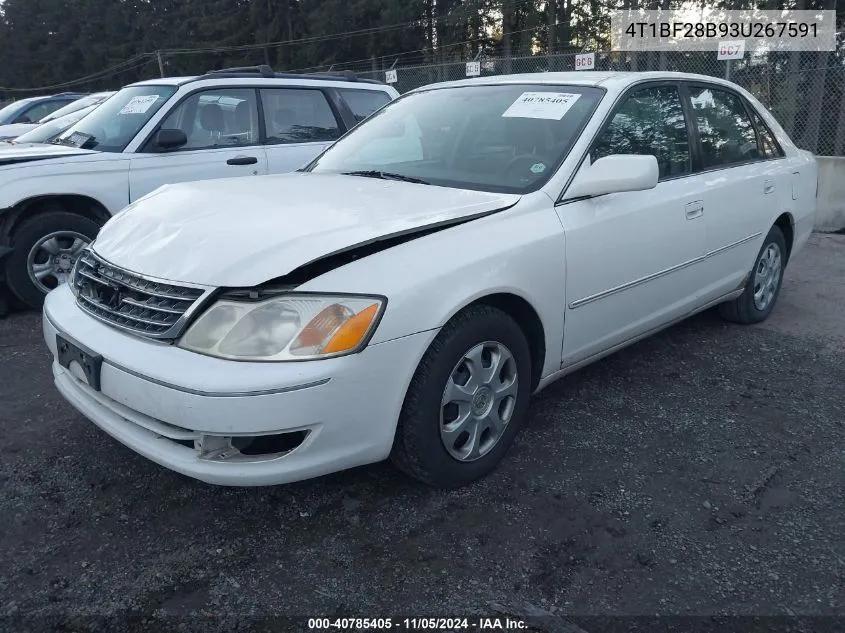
x,y
235,122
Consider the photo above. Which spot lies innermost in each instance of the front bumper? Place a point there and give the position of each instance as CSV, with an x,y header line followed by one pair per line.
x,y
158,400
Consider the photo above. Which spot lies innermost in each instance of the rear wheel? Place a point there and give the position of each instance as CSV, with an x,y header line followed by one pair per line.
x,y
755,304
45,249
467,400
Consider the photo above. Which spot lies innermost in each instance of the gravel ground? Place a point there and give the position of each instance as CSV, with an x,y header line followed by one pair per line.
x,y
699,472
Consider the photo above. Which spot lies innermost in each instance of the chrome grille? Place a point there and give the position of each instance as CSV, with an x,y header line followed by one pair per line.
x,y
131,302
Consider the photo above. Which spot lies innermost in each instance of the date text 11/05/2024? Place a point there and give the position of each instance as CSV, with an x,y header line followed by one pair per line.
x,y
417,624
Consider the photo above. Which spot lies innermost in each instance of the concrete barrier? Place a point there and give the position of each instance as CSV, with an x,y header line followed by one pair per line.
x,y
831,209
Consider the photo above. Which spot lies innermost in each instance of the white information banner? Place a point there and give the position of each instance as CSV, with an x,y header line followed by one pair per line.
x,y
390,76
702,27
473,69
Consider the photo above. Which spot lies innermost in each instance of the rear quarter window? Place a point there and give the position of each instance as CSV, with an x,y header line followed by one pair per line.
x,y
363,103
769,147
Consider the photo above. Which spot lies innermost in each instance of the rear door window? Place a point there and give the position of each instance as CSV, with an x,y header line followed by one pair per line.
x,y
363,103
298,115
725,131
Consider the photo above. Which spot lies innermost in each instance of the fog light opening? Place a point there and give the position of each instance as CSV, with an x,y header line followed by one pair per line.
x,y
264,445
247,447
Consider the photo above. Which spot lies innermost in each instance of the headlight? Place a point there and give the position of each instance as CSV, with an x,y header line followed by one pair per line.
x,y
286,328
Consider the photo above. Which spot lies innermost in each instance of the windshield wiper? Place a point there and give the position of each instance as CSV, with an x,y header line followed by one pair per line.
x,y
385,175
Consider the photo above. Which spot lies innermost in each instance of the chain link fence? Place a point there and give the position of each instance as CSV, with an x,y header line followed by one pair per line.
x,y
804,90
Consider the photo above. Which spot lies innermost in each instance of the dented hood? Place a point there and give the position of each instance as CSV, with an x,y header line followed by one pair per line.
x,y
245,231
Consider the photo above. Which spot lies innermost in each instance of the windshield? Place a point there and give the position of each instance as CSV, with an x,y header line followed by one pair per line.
x,y
46,132
115,123
75,106
7,114
500,138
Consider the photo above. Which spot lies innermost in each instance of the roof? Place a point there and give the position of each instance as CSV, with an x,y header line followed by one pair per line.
x,y
164,81
611,80
228,76
26,100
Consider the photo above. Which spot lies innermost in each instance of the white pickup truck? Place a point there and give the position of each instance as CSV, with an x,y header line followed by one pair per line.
x,y
230,123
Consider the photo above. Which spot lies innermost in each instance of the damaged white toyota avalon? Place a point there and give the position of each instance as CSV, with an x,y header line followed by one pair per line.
x,y
406,294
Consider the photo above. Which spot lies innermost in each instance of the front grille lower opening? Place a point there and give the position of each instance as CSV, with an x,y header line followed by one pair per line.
x,y
269,444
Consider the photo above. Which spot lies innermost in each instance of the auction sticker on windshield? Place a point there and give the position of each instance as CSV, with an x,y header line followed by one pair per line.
x,y
139,105
77,139
541,105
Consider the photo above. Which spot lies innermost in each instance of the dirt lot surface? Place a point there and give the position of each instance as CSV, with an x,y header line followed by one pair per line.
x,y
697,473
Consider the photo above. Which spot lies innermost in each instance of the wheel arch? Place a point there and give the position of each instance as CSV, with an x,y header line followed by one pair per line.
x,y
82,205
528,319
786,223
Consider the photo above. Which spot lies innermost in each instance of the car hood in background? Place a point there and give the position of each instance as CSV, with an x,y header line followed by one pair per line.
x,y
13,130
17,147
245,231
13,154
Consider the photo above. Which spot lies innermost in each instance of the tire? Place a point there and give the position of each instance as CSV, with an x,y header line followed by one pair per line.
x,y
418,448
68,227
745,309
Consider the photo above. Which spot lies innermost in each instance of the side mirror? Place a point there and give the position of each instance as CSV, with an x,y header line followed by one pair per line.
x,y
170,139
616,174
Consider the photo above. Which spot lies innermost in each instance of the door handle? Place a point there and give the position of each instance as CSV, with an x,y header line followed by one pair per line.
x,y
695,210
242,160
768,186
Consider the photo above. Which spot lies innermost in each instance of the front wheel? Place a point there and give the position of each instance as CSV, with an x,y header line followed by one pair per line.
x,y
755,304
467,400
45,249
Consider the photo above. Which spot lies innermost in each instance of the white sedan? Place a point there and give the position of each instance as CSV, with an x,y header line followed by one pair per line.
x,y
460,250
